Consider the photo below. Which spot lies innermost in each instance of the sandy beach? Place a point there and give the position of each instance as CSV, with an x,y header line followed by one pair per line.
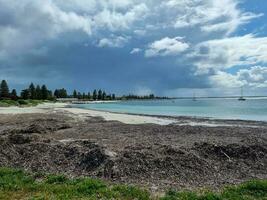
x,y
82,113
151,151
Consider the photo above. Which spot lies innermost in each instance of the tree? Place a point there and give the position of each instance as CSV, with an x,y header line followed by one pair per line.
x,y
14,95
152,96
25,94
4,90
44,92
79,95
38,92
108,97
56,93
89,95
74,94
84,96
104,95
99,96
113,97
50,95
61,93
95,95
32,91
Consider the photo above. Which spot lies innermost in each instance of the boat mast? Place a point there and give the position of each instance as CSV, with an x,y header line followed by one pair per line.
x,y
194,96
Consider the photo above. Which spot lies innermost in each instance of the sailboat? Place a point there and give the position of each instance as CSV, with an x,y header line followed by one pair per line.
x,y
194,97
241,98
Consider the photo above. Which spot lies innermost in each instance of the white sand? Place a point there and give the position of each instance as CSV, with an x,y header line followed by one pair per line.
x,y
124,118
83,113
41,108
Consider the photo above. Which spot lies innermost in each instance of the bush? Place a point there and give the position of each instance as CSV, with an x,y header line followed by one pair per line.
x,y
22,102
7,103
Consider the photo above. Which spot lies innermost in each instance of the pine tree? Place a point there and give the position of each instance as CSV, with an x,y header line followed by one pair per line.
x,y
99,97
84,96
44,92
104,96
50,95
74,94
95,95
79,95
56,93
4,90
25,94
14,95
61,93
32,91
38,92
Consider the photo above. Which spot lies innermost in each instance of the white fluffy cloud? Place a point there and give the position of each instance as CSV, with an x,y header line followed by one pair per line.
x,y
226,53
28,22
114,41
135,50
210,15
166,47
253,77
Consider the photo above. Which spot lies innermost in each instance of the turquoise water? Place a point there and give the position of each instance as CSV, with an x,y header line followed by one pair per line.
x,y
252,109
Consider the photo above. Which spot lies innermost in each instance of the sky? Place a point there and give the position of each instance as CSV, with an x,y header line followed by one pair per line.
x,y
165,47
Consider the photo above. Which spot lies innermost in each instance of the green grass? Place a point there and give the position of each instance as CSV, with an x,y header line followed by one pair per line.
x,y
20,102
252,190
17,184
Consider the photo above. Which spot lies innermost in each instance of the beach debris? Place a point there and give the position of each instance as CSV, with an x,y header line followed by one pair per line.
x,y
150,155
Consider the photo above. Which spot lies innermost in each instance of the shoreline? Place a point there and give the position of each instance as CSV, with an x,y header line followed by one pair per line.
x,y
131,118
190,120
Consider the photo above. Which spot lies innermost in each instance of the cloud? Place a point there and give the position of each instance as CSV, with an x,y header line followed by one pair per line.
x,y
166,47
109,19
223,79
135,50
255,77
114,41
26,24
40,35
226,53
209,15
142,91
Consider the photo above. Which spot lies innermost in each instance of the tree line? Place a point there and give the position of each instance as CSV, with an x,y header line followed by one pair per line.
x,y
140,97
32,92
95,95
43,93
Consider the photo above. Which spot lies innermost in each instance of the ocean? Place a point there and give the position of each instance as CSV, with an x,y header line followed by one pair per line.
x,y
251,109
